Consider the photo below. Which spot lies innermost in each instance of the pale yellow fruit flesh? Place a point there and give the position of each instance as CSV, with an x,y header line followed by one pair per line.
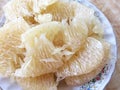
x,y
73,10
84,62
82,79
51,29
26,9
10,54
76,30
17,8
76,33
93,23
38,12
40,44
62,40
45,82
60,11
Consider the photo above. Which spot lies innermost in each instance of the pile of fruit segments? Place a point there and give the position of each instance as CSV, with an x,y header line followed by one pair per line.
x,y
45,42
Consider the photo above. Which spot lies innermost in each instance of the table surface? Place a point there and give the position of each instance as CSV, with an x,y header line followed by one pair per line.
x,y
111,9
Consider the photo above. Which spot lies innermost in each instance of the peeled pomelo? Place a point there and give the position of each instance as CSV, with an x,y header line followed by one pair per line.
x,y
84,78
38,11
40,43
93,23
76,29
84,61
39,60
54,32
39,5
62,39
79,20
60,10
44,82
70,10
76,33
26,9
11,55
17,8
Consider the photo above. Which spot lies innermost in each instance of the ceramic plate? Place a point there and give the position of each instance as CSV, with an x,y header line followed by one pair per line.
x,y
101,79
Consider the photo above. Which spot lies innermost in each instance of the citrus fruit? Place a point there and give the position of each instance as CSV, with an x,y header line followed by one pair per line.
x,y
82,79
11,56
45,82
84,61
40,42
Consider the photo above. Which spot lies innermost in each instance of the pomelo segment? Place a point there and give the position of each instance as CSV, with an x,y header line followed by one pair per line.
x,y
45,82
60,10
11,55
27,9
38,11
40,43
76,33
82,79
17,8
53,30
53,36
93,23
85,61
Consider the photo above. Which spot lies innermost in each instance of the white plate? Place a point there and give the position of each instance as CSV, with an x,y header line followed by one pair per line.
x,y
103,78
